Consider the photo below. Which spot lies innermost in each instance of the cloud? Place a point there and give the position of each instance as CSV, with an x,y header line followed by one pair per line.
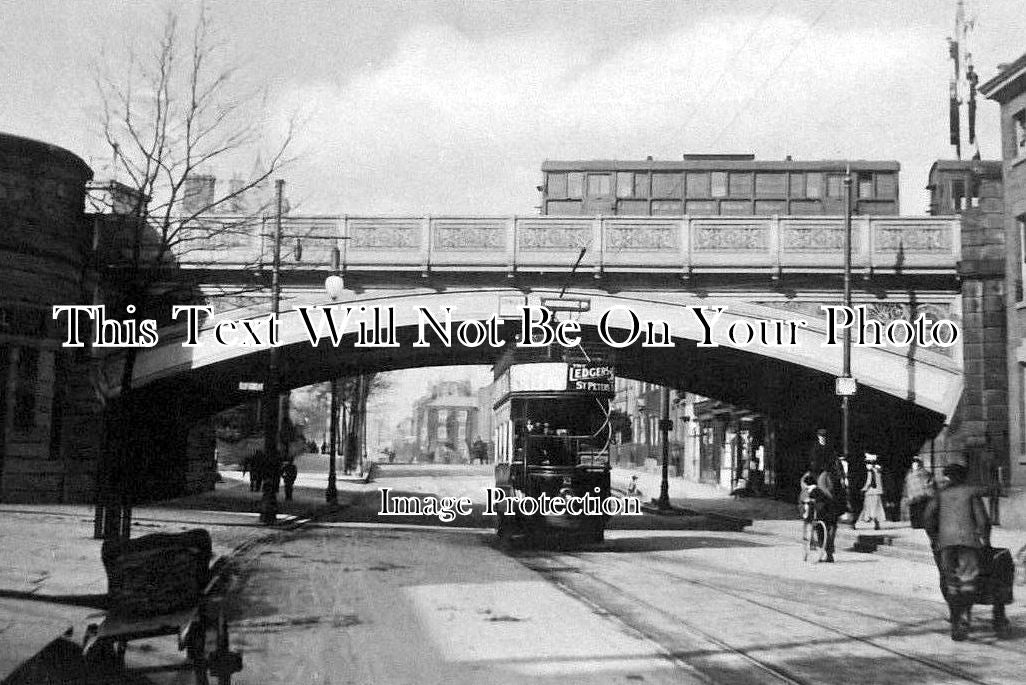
x,y
459,124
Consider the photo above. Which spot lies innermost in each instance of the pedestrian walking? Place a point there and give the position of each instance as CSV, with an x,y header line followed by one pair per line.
x,y
872,493
478,451
288,477
256,469
828,500
822,454
919,488
959,530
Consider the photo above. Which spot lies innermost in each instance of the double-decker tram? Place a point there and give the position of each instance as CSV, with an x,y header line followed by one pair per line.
x,y
552,459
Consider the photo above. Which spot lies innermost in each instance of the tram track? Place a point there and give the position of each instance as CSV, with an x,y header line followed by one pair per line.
x,y
570,573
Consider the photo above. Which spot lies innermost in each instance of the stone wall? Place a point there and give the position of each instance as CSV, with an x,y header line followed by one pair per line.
x,y
44,241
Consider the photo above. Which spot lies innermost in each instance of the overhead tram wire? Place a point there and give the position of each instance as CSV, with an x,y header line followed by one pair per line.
x,y
729,65
794,46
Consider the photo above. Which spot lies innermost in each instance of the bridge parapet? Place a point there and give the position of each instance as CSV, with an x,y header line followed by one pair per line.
x,y
684,245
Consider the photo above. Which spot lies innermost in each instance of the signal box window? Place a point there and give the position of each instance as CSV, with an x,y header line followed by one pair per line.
x,y
865,185
771,185
886,186
740,185
767,207
835,185
632,207
666,185
698,185
563,207
797,185
641,182
736,207
599,185
814,186
806,207
719,184
624,185
575,185
701,207
1019,131
557,186
666,207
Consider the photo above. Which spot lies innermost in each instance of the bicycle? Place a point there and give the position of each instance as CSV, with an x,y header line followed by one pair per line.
x,y
814,532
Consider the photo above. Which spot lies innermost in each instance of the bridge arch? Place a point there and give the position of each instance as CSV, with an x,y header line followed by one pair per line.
x,y
904,397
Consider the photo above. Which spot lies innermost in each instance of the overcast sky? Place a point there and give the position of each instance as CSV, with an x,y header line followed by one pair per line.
x,y
451,107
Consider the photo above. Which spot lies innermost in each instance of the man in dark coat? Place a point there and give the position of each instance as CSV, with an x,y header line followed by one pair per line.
x,y
959,529
841,474
829,504
288,477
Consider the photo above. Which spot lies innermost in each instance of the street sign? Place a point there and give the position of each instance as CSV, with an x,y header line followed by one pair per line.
x,y
567,304
251,387
845,386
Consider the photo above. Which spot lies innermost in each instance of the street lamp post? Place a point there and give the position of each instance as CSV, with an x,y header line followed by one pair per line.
x,y
846,371
664,435
331,493
333,285
271,404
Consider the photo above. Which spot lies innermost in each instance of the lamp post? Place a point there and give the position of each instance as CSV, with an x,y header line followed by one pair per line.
x,y
664,435
848,388
333,285
271,405
331,493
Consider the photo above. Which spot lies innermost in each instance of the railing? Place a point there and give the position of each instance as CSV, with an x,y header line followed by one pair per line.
x,y
552,243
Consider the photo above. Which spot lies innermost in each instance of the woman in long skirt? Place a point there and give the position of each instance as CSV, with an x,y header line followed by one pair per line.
x,y
872,491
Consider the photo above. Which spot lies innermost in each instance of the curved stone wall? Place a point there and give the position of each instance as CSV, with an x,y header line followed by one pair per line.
x,y
44,242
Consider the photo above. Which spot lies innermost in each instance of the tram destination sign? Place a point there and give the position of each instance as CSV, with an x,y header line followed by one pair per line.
x,y
589,377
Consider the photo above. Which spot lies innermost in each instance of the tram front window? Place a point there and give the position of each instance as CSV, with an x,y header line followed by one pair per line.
x,y
549,450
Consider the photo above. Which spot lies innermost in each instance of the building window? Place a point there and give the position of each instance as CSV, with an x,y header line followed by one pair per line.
x,y
1019,131
575,185
813,186
1022,260
798,185
771,185
666,185
624,185
557,186
25,388
698,185
641,185
599,185
740,185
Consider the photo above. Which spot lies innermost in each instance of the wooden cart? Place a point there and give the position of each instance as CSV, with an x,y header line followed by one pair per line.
x,y
164,584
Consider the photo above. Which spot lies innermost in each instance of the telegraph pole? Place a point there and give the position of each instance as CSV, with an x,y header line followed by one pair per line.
x,y
271,404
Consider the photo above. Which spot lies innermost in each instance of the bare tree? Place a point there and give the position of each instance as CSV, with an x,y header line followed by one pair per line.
x,y
171,113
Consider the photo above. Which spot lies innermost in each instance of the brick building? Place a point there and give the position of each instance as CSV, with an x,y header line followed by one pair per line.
x,y
1008,88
